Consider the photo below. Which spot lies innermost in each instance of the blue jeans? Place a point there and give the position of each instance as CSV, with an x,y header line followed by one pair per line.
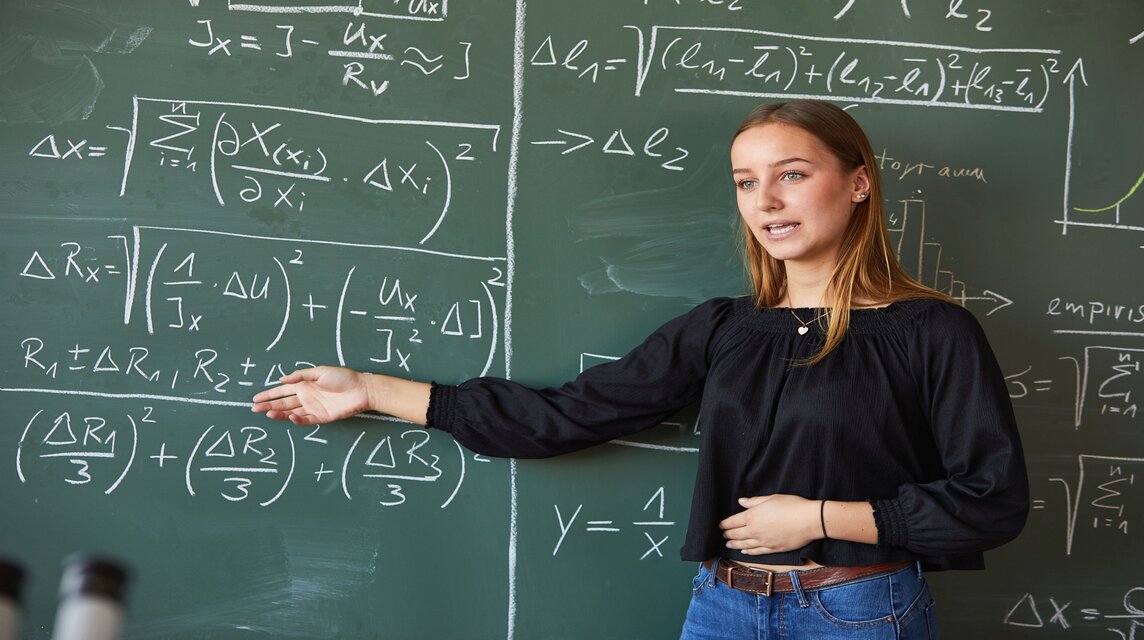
x,y
895,606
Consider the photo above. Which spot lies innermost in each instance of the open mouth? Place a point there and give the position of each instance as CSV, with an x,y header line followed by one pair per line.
x,y
781,229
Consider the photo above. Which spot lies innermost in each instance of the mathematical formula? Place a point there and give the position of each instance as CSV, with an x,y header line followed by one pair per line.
x,y
387,306
96,448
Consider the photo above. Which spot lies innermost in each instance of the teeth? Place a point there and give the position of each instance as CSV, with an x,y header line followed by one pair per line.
x,y
781,229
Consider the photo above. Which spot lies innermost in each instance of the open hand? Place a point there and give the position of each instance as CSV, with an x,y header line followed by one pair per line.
x,y
312,396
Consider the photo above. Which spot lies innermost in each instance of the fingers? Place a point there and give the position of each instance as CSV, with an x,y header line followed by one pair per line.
x,y
740,530
757,551
281,391
734,522
283,402
268,401
750,547
287,408
297,416
742,518
304,420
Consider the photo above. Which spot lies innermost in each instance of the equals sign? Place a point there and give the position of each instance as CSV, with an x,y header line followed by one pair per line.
x,y
610,65
111,269
1038,504
250,42
96,152
601,525
1090,614
1045,385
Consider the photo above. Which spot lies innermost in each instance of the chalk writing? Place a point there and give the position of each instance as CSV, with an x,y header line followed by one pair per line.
x,y
285,183
395,319
249,153
1093,310
97,448
616,143
651,523
1024,383
364,57
745,62
422,10
907,229
1106,498
83,449
231,471
1107,216
1059,613
1111,382
902,169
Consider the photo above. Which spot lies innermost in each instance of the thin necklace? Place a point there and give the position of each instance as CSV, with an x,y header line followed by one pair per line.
x,y
804,326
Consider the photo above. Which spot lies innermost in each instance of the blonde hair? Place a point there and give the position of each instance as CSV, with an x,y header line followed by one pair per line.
x,y
867,266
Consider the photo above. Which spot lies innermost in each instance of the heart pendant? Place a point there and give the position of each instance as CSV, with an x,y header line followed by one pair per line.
x,y
802,331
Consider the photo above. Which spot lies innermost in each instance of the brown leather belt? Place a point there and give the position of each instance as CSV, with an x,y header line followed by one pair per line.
x,y
764,582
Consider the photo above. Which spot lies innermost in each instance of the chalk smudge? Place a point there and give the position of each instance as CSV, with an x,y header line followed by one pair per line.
x,y
46,74
688,250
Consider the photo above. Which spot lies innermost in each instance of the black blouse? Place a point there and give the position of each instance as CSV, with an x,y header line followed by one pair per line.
x,y
910,413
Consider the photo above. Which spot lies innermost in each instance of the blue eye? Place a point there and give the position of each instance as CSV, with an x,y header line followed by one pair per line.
x,y
791,176
746,184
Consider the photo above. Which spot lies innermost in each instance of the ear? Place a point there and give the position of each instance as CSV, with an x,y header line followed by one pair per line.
x,y
861,188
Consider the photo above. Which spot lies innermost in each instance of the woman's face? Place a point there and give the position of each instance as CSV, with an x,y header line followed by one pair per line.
x,y
794,194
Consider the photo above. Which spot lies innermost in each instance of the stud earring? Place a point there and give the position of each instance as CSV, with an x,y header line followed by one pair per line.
x,y
862,196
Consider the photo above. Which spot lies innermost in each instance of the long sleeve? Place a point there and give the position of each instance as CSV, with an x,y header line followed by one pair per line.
x,y
666,372
983,500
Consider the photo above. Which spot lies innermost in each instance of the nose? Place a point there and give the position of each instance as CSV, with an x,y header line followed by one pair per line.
x,y
766,200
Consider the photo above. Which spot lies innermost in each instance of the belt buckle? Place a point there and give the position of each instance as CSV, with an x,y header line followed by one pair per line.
x,y
767,591
770,582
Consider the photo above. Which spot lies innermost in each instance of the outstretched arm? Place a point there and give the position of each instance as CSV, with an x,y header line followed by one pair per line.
x,y
327,394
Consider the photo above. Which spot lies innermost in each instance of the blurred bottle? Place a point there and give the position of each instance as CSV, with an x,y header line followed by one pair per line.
x,y
91,600
11,577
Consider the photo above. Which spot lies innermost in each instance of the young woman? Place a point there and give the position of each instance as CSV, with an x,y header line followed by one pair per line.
x,y
857,428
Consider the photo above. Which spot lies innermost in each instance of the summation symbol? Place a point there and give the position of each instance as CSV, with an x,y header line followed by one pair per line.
x,y
1106,499
1111,375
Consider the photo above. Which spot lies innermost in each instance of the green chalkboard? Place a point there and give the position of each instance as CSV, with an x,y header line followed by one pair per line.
x,y
198,195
